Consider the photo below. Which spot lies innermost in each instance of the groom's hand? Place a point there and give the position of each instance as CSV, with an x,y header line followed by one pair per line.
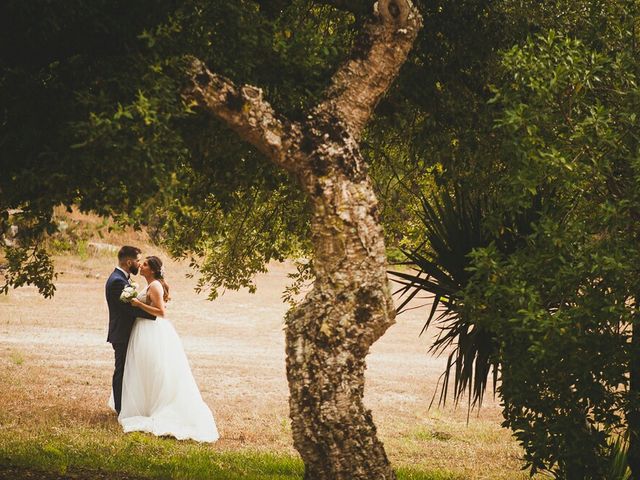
x,y
139,311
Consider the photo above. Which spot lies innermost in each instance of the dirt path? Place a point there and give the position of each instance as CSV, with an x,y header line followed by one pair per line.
x,y
56,355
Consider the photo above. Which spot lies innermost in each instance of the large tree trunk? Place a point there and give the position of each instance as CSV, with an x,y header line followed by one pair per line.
x,y
329,334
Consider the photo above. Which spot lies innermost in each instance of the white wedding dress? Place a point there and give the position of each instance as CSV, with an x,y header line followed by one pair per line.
x,y
159,393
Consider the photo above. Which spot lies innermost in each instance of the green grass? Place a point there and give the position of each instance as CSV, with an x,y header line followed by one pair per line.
x,y
17,358
143,455
428,435
82,250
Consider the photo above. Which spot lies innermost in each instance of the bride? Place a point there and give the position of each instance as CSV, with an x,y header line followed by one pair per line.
x,y
159,393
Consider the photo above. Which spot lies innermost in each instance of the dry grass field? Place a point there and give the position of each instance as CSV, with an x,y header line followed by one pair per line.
x,y
55,371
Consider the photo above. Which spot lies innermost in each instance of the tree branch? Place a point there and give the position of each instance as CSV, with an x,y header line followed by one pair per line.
x,y
244,110
377,55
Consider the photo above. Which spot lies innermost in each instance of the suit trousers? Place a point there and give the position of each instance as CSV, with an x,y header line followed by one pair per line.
x,y
120,351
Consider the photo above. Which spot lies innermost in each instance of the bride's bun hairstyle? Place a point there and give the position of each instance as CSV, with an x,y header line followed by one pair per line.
x,y
155,264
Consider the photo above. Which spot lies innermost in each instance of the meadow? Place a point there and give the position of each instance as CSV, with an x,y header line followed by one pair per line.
x,y
56,367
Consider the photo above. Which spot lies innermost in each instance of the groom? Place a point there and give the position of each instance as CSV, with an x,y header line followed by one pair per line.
x,y
122,315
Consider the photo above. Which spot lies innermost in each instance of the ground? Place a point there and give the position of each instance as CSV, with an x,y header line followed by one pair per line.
x,y
55,370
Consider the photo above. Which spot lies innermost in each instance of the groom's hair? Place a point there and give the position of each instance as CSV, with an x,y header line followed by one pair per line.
x,y
128,252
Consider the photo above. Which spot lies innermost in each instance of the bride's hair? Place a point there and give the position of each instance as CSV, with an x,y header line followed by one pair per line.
x,y
155,264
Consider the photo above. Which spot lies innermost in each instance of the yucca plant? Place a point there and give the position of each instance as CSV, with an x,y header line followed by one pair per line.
x,y
619,467
453,223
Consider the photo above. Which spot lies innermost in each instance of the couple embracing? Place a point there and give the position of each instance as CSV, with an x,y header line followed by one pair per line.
x,y
153,388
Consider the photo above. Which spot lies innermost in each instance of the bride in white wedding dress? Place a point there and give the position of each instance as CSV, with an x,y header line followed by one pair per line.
x,y
159,393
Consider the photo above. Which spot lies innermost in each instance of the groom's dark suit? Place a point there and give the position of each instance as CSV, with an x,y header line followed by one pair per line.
x,y
121,317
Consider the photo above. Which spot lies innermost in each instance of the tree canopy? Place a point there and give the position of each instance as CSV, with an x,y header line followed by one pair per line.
x,y
93,116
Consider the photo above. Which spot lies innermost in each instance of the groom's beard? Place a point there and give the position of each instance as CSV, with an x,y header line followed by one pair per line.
x,y
133,270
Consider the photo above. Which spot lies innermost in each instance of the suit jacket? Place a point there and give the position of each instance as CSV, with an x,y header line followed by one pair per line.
x,y
121,314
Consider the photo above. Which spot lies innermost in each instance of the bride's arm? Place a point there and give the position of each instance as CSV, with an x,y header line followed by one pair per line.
x,y
157,302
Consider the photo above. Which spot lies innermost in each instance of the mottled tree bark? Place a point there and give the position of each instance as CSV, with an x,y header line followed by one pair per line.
x,y
329,334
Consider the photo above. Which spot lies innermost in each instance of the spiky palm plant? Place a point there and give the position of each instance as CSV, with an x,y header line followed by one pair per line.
x,y
619,466
453,223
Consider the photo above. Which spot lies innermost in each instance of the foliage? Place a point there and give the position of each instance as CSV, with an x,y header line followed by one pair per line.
x,y
619,468
93,116
452,222
552,281
561,305
27,261
302,279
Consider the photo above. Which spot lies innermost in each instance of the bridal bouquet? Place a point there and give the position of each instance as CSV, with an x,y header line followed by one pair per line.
x,y
130,292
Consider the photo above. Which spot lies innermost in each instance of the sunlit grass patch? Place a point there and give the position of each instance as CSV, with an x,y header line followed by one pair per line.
x,y
415,474
142,455
148,456
16,357
425,434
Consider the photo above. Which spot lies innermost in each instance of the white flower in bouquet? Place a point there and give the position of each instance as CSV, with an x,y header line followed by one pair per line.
x,y
129,292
